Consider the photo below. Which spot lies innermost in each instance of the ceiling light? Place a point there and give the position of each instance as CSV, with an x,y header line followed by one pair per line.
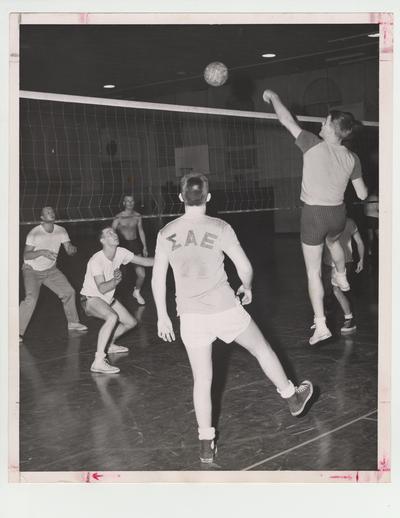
x,y
108,86
269,55
373,35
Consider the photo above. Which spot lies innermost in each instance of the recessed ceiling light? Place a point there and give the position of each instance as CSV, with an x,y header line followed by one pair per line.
x,y
108,86
373,35
269,55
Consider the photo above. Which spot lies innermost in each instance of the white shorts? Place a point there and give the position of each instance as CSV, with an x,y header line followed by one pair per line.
x,y
200,330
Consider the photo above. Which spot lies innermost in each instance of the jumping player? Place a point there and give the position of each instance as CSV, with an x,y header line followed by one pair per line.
x,y
128,224
194,244
40,256
328,166
103,274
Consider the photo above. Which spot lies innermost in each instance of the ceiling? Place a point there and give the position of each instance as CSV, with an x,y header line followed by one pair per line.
x,y
147,62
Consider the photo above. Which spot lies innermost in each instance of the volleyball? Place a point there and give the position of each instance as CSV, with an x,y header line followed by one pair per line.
x,y
216,73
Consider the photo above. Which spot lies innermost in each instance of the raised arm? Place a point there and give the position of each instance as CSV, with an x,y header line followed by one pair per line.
x,y
244,271
159,288
284,115
142,237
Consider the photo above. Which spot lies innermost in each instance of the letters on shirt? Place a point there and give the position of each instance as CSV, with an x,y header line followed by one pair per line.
x,y
207,241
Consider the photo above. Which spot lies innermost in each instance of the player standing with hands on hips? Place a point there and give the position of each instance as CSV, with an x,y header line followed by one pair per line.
x,y
327,168
194,245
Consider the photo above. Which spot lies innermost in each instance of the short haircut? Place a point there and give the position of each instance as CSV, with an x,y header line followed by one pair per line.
x,y
127,196
102,231
344,123
194,189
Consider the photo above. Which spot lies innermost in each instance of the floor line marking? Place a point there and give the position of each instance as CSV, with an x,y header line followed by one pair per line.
x,y
307,442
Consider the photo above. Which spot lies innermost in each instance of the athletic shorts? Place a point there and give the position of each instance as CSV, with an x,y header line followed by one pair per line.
x,y
84,299
321,221
201,330
372,222
133,245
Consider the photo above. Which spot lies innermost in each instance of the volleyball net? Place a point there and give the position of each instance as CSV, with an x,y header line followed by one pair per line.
x,y
82,155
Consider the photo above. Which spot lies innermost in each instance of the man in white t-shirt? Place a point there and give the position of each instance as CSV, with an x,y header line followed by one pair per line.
x,y
103,275
40,256
194,245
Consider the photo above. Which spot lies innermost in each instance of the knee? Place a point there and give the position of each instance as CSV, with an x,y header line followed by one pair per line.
x,y
112,318
131,323
314,274
141,274
68,293
31,299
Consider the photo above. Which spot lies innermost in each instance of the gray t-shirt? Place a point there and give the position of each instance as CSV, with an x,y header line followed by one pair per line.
x,y
327,169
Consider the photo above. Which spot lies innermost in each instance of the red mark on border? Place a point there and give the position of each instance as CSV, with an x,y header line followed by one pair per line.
x,y
97,476
83,18
384,464
345,477
357,477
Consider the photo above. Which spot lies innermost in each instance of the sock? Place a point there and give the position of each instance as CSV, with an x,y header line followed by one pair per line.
x,y
100,356
206,434
287,392
347,317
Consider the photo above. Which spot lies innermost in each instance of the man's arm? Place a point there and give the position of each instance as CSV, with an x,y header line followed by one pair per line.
x,y
30,253
360,188
284,115
69,248
361,250
159,288
142,237
115,223
244,271
105,286
142,261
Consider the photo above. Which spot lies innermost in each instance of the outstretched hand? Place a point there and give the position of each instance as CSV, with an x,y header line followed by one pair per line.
x,y
247,295
268,95
165,329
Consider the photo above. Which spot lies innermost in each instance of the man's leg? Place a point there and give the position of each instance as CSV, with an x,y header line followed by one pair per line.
x,y
126,320
58,283
97,307
337,253
343,301
32,283
313,258
140,276
254,341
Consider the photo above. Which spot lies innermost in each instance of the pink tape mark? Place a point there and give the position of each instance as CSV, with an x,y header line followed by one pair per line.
x,y
384,464
345,477
385,21
83,18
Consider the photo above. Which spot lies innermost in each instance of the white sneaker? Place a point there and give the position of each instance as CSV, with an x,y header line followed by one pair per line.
x,y
340,280
115,349
76,326
138,297
320,335
101,365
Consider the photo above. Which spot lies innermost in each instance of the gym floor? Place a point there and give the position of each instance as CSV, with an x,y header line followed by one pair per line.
x,y
143,418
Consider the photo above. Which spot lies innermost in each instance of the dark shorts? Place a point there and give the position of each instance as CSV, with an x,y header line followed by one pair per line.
x,y
133,245
372,222
321,221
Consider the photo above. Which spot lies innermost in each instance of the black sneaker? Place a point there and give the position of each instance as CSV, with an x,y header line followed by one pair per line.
x,y
349,326
301,396
208,451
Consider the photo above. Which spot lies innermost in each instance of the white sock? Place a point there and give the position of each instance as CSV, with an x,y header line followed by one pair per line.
x,y
100,356
347,317
320,322
206,434
288,391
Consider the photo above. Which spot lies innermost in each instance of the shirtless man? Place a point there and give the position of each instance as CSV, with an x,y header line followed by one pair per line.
x,y
128,224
